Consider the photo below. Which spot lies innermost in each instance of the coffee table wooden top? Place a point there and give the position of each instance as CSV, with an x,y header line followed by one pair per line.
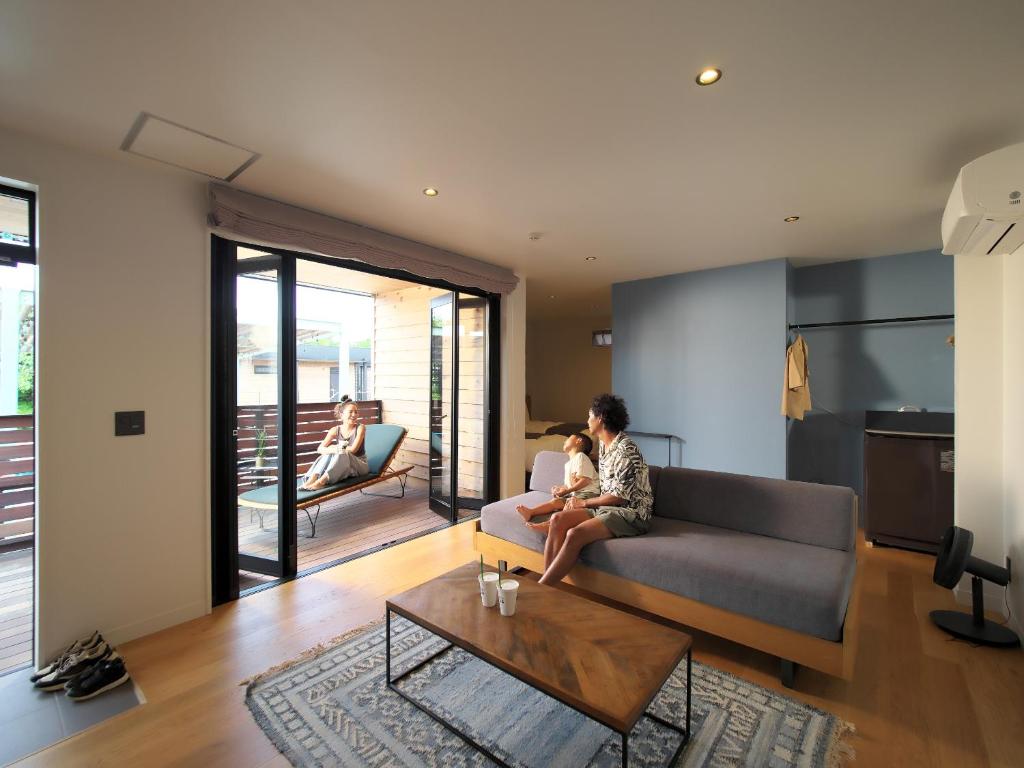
x,y
605,663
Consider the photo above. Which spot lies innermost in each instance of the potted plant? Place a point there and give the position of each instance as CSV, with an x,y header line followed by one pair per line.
x,y
261,446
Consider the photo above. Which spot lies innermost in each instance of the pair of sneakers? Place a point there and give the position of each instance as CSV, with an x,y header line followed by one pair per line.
x,y
86,668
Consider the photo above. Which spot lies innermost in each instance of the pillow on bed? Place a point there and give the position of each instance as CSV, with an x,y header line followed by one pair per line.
x,y
567,428
540,427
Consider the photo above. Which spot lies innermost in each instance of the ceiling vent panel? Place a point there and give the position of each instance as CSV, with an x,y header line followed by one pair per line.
x,y
158,139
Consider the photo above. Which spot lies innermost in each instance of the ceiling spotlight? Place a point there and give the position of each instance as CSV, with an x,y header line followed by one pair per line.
x,y
590,258
551,296
791,219
535,235
430,192
709,76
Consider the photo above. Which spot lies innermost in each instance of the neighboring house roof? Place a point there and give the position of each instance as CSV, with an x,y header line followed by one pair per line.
x,y
318,353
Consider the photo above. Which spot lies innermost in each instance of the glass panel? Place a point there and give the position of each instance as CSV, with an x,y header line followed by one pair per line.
x,y
472,425
333,328
440,404
257,326
17,462
14,221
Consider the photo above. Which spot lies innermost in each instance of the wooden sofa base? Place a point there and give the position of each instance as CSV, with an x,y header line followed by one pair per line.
x,y
832,658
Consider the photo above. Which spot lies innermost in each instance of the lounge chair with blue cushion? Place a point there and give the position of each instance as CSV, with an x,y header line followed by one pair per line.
x,y
382,444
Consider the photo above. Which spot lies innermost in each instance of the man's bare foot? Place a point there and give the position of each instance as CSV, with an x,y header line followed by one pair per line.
x,y
540,527
525,512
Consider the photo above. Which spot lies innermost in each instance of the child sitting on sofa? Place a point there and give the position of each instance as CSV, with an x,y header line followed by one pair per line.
x,y
580,481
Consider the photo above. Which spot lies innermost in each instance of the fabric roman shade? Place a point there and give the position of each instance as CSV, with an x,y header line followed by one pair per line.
x,y
250,217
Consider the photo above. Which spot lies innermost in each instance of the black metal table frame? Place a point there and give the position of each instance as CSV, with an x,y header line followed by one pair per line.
x,y
392,684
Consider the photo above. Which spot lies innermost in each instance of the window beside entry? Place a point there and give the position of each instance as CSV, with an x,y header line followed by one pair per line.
x,y
17,225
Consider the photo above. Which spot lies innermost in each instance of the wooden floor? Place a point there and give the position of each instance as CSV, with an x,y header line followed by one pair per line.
x,y
917,698
347,526
15,609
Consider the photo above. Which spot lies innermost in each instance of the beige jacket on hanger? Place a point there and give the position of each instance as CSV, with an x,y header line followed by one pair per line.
x,y
796,386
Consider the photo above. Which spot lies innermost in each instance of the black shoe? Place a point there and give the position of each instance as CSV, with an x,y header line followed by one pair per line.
x,y
85,644
73,665
103,676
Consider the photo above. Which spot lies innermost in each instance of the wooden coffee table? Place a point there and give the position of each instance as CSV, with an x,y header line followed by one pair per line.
x,y
602,662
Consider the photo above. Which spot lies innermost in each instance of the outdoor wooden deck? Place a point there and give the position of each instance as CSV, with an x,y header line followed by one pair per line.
x,y
15,609
348,526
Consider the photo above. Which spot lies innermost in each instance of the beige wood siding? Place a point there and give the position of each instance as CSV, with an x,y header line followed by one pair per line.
x,y
401,381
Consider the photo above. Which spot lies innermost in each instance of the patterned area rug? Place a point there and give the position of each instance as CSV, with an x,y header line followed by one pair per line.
x,y
330,707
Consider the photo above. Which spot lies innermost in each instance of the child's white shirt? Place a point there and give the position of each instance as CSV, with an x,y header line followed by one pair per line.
x,y
581,465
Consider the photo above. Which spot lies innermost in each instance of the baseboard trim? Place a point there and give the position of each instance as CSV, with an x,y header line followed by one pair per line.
x,y
147,626
993,593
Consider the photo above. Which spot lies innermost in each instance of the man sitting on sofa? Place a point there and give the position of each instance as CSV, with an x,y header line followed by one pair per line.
x,y
624,506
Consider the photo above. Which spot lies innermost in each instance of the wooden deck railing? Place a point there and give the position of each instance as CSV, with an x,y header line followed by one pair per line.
x,y
17,482
312,421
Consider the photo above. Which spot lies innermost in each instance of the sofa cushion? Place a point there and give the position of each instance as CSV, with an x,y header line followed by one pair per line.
x,y
501,519
797,586
548,470
808,513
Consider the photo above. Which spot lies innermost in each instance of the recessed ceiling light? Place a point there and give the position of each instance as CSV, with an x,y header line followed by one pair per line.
x,y
590,258
551,296
791,219
430,192
709,76
535,235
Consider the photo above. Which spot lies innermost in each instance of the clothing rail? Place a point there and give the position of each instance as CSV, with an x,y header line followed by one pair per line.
x,y
917,319
668,438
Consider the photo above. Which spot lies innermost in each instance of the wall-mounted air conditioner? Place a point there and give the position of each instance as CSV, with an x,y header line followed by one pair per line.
x,y
985,212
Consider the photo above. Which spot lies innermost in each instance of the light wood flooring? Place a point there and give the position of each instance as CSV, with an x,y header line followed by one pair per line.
x,y
15,609
917,698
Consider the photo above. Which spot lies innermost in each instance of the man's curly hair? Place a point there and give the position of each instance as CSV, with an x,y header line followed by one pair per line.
x,y
611,410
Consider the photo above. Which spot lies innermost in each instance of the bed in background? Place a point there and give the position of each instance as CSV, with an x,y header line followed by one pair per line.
x,y
549,436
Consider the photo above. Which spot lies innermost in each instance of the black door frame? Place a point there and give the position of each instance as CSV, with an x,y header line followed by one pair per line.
x,y
223,416
449,509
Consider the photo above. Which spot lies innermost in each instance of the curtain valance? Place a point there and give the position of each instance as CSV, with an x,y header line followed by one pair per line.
x,y
270,222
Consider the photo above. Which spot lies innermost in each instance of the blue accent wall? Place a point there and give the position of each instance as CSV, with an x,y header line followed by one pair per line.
x,y
700,355
859,368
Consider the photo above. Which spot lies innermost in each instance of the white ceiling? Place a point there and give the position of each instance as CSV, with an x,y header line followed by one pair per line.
x,y
579,118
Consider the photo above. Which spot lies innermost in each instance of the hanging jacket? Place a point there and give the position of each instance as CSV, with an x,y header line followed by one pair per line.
x,y
796,385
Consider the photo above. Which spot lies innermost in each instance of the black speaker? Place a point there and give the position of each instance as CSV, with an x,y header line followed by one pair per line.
x,y
953,559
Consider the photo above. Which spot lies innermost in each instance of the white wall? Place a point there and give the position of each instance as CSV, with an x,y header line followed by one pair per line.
x,y
513,391
122,325
978,397
989,496
555,347
1013,428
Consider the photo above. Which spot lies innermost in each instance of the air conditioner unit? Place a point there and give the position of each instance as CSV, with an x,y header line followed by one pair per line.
x,y
985,212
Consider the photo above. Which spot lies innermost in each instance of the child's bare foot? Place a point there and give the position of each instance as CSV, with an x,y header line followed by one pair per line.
x,y
540,527
525,512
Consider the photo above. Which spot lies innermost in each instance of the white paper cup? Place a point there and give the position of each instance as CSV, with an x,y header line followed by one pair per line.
x,y
507,594
488,589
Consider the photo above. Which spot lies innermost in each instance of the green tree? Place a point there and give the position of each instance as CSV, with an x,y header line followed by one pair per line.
x,y
27,355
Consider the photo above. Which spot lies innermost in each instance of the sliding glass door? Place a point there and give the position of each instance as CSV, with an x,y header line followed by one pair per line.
x,y
261,387
253,308
442,416
459,403
285,349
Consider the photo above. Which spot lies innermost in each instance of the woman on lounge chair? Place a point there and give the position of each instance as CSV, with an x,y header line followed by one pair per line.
x,y
342,451
624,505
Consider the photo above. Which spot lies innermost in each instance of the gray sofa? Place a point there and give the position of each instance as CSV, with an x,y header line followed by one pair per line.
x,y
780,552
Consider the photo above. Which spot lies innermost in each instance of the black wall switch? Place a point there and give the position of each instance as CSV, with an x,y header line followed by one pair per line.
x,y
129,423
